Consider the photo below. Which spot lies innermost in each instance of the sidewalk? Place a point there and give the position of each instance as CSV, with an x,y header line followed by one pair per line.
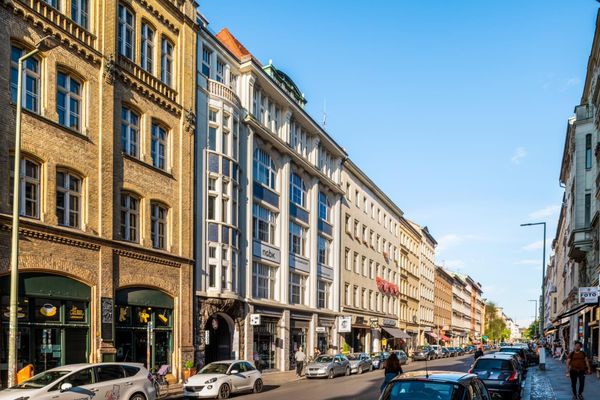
x,y
553,384
278,378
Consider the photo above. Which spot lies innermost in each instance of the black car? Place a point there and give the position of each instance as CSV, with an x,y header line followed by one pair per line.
x,y
437,385
501,374
424,353
519,351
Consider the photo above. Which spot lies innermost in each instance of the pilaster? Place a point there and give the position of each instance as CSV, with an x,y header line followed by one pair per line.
x,y
284,227
313,239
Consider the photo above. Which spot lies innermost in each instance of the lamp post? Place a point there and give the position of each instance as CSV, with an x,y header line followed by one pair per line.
x,y
536,308
46,44
543,275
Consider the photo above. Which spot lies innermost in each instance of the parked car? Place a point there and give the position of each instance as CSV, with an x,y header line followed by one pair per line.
x,y
76,381
437,385
359,363
446,352
438,350
519,351
378,359
453,351
402,357
459,351
222,378
424,353
501,373
328,367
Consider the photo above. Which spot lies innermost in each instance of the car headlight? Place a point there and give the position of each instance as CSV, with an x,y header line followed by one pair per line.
x,y
211,380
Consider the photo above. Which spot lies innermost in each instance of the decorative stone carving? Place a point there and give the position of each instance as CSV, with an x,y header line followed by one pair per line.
x,y
189,121
110,70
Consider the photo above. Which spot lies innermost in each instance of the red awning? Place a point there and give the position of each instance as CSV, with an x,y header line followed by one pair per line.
x,y
445,338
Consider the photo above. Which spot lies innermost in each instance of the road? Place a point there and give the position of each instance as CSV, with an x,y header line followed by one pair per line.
x,y
355,387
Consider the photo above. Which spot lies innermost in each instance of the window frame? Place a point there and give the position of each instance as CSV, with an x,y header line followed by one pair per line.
x,y
124,28
167,50
297,239
324,207
68,193
24,181
264,221
159,220
29,73
126,136
69,96
297,190
156,141
262,169
263,281
147,47
129,213
80,14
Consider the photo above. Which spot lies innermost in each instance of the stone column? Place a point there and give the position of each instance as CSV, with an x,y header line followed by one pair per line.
x,y
284,334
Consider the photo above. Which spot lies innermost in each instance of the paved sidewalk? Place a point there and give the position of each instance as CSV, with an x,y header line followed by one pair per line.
x,y
553,384
278,378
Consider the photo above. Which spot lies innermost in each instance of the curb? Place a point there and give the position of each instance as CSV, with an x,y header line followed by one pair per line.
x,y
527,387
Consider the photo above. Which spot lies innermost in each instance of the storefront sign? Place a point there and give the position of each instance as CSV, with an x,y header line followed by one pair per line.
x,y
254,319
344,324
588,295
320,329
76,314
299,264
107,308
266,252
389,322
48,310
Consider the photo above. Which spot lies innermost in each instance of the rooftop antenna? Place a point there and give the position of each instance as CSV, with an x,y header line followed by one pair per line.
x,y
325,112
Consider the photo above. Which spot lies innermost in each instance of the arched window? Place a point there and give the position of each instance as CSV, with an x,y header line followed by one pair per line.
x,y
68,199
31,79
264,168
297,190
147,48
29,192
68,101
130,217
158,148
126,34
130,128
158,220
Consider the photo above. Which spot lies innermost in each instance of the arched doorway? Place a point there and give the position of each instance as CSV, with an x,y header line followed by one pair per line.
x,y
219,339
54,321
144,321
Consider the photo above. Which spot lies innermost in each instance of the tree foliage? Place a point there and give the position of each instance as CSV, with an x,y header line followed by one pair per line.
x,y
531,331
495,327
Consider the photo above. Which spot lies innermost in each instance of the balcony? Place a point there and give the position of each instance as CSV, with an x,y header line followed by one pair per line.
x,y
148,79
583,112
220,90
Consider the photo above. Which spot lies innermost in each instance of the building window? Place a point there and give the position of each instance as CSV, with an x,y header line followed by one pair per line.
x,y
263,285
263,224
211,208
30,77
158,226
297,239
147,50
588,209
356,297
159,146
126,34
206,57
130,214
220,71
68,101
323,250
324,207
129,131
347,259
212,138
322,294
588,151
68,199
166,62
264,168
224,209
29,191
53,3
297,190
212,275
297,283
80,12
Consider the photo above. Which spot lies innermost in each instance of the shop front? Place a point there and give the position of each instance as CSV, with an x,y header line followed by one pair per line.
x,y
299,330
324,335
53,317
266,341
144,327
359,336
393,338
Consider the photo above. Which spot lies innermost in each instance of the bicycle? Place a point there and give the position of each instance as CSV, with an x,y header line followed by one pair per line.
x,y
159,381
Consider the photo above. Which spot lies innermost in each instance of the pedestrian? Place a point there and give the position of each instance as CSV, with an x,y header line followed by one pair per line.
x,y
300,357
257,363
392,369
316,353
578,364
478,352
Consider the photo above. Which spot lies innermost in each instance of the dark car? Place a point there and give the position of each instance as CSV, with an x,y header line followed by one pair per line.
x,y
501,374
437,385
378,359
446,352
402,357
519,351
424,353
459,351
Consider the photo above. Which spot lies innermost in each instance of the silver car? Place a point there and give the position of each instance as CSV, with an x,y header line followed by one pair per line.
x,y
129,381
328,367
360,362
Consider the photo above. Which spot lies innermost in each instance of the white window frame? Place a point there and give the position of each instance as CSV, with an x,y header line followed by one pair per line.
x,y
263,218
26,181
130,142
80,13
29,74
159,140
264,165
147,48
297,190
297,234
70,96
297,285
159,223
129,212
69,195
261,274
126,48
166,61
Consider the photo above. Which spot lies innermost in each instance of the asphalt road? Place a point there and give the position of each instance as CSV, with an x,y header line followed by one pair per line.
x,y
355,387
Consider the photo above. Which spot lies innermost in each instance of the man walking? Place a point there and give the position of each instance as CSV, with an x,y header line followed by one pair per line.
x,y
578,365
300,357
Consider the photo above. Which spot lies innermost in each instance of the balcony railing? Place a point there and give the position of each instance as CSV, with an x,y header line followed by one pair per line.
x,y
57,18
147,78
223,91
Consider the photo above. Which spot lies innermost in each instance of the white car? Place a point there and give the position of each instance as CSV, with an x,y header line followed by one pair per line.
x,y
105,381
222,378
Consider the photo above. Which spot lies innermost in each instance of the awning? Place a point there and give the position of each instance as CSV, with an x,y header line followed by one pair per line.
x,y
431,334
573,310
395,332
445,338
484,337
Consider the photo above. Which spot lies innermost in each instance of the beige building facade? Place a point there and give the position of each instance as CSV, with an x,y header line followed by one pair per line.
x,y
107,164
428,334
410,243
442,315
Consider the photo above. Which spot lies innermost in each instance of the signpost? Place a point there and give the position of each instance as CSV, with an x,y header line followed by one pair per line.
x,y
254,319
344,324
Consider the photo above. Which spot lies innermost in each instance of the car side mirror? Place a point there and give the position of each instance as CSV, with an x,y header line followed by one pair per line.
x,y
234,372
496,396
65,387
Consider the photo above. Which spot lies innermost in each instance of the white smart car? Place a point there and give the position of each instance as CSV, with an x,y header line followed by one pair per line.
x,y
222,378
126,381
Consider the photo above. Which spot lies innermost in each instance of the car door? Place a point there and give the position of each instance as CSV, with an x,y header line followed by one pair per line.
x,y
111,382
337,365
238,380
252,374
83,387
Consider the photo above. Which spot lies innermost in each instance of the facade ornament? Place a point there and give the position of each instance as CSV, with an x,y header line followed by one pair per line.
x,y
189,121
110,70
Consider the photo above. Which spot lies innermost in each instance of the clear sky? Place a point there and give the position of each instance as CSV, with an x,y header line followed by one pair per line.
x,y
456,109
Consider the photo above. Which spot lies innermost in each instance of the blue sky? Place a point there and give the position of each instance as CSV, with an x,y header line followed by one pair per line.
x,y
456,109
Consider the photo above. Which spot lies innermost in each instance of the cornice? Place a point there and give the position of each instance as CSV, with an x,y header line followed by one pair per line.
x,y
145,257
149,6
51,237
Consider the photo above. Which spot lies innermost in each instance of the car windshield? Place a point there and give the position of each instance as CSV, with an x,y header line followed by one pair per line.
x,y
422,348
215,368
419,390
489,364
324,359
41,380
353,356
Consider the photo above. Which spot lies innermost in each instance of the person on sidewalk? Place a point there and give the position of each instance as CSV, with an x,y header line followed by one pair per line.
x,y
578,364
300,357
392,369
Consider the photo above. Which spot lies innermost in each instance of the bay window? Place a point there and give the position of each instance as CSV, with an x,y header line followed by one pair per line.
x,y
263,224
264,168
263,281
297,239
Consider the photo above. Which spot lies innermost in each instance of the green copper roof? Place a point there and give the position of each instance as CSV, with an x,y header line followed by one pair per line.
x,y
285,82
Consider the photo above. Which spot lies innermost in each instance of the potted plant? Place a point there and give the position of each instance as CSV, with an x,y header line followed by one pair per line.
x,y
188,369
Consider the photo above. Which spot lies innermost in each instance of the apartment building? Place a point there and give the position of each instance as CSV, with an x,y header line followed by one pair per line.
x,y
370,272
427,332
442,314
106,166
410,244
461,310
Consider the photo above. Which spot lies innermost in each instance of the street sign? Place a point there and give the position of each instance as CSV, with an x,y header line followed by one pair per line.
x,y
344,324
320,329
254,319
588,295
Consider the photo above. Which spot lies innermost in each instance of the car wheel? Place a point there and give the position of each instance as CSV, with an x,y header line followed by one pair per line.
x,y
359,370
370,367
347,372
224,391
331,375
258,386
137,396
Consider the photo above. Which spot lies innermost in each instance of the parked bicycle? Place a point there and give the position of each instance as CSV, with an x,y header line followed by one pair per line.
x,y
159,380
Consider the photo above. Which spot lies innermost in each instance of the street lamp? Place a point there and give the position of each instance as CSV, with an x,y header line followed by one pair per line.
x,y
536,308
46,44
543,273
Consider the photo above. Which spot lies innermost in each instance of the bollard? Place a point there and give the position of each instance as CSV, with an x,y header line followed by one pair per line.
x,y
542,354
